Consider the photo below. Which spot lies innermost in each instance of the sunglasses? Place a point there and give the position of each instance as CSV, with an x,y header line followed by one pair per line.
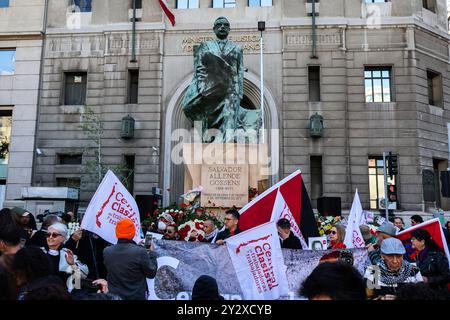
x,y
333,232
169,232
228,219
53,235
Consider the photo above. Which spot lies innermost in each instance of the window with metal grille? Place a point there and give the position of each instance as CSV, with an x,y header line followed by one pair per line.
x,y
75,88
377,82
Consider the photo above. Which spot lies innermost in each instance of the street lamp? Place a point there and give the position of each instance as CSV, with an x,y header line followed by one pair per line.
x,y
261,28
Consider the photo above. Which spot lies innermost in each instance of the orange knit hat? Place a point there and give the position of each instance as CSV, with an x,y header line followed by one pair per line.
x,y
125,229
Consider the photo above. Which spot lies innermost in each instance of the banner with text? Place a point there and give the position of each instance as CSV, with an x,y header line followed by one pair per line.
x,y
111,203
181,263
258,262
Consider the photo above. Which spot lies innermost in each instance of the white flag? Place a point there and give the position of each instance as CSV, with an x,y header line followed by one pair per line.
x,y
258,261
353,236
111,203
281,211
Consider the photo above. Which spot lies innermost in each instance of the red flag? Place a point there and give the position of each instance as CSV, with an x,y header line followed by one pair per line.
x,y
434,227
166,10
286,199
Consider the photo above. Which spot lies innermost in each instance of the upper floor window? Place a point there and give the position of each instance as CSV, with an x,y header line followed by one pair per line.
x,y
84,5
429,5
378,84
434,88
70,158
224,3
187,4
4,3
7,62
5,139
75,88
259,3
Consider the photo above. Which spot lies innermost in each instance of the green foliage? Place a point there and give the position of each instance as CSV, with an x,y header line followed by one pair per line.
x,y
94,168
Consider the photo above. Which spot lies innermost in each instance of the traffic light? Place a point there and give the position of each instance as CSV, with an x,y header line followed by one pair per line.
x,y
392,193
392,165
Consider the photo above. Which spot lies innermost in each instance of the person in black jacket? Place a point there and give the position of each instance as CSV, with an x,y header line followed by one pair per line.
x,y
231,226
89,249
206,288
287,238
430,259
128,264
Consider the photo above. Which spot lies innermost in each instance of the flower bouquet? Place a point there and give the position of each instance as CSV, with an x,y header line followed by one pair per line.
x,y
191,230
326,223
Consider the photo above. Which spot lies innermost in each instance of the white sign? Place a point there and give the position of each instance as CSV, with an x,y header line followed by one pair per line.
x,y
258,262
111,203
317,243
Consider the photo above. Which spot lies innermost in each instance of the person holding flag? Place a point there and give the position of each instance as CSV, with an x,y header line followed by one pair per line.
x,y
430,259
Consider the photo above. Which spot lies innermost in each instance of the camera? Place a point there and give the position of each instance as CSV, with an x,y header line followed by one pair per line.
x,y
148,240
346,256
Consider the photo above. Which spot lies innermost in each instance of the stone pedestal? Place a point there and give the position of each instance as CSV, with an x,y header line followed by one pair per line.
x,y
225,171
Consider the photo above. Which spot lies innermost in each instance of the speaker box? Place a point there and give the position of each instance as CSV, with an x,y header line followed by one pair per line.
x,y
445,181
146,204
329,206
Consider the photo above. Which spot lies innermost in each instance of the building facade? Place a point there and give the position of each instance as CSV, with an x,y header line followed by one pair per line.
x,y
377,72
21,38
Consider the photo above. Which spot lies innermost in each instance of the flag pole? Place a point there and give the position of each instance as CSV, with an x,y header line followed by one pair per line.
x,y
261,28
385,187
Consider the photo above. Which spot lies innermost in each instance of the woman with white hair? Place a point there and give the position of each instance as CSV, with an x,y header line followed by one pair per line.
x,y
63,262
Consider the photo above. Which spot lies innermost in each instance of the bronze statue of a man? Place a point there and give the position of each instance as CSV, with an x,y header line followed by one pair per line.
x,y
216,91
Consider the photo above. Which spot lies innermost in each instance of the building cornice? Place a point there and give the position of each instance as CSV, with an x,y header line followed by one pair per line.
x,y
21,36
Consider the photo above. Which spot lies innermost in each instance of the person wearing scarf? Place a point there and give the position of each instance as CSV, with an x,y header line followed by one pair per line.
x,y
391,272
210,231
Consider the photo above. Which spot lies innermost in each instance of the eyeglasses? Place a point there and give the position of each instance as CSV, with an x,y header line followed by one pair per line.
x,y
169,232
53,235
333,232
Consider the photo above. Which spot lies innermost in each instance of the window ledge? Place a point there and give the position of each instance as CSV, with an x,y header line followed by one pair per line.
x,y
436,110
381,104
72,109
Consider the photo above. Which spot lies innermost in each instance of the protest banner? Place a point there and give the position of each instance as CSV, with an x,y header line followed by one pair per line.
x,y
181,263
111,203
258,262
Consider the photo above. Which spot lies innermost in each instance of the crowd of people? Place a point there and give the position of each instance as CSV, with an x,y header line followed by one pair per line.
x,y
59,262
